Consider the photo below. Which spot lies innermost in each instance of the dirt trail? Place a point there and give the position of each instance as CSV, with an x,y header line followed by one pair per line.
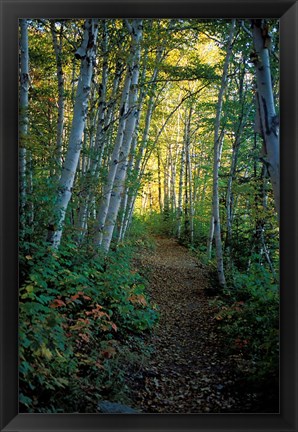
x,y
188,372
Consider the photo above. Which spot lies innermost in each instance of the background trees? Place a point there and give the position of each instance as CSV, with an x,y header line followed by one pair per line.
x,y
172,121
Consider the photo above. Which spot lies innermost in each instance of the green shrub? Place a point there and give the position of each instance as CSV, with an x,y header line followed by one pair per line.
x,y
249,316
78,316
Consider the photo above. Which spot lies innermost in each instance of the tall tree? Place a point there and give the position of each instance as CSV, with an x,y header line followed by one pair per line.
x,y
215,220
135,29
85,53
269,120
57,44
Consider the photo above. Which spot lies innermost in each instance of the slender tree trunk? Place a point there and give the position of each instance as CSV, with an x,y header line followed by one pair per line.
x,y
191,203
60,79
216,162
97,141
166,189
86,53
108,187
188,185
118,186
128,190
269,120
137,167
229,195
23,116
180,192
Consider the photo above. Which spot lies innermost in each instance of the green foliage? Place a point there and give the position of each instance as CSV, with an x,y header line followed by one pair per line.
x,y
139,234
84,317
248,314
80,314
161,223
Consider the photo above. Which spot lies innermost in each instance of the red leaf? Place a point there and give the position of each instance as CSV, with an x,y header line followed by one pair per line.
x,y
109,352
57,303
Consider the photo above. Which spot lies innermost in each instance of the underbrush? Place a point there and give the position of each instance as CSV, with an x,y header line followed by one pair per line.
x,y
160,223
248,315
140,235
83,321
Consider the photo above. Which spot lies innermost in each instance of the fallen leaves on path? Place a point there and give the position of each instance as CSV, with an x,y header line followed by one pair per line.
x,y
189,370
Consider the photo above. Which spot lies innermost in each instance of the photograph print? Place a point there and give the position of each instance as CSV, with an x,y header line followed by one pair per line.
x,y
149,211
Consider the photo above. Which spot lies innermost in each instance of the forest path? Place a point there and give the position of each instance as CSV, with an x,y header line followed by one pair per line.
x,y
188,371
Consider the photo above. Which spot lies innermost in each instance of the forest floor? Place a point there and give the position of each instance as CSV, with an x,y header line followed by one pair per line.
x,y
189,370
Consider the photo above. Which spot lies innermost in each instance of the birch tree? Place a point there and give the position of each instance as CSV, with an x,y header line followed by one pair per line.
x,y
57,45
99,141
85,53
135,29
137,167
215,220
114,160
180,192
269,120
239,125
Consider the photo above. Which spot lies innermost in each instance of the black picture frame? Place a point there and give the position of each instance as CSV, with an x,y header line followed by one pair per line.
x,y
11,11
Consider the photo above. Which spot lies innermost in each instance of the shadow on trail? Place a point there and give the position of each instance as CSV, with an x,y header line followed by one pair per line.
x,y
189,370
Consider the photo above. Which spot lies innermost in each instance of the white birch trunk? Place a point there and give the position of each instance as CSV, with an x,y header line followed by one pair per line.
x,y
86,53
127,190
107,190
191,207
60,79
216,162
180,192
187,173
269,120
137,167
132,115
97,140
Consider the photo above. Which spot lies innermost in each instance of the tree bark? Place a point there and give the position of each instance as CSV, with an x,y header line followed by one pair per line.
x,y
120,176
60,79
86,53
97,140
108,187
269,120
216,162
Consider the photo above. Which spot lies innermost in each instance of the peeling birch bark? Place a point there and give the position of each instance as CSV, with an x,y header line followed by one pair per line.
x,y
120,175
85,53
269,120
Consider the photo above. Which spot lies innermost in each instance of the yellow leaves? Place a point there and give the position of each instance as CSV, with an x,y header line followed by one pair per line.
x,y
60,355
28,292
208,51
174,57
28,257
43,351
